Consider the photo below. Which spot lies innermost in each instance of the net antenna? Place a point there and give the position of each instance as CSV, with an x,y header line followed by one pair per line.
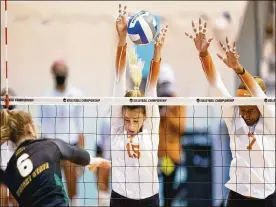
x,y
6,70
6,51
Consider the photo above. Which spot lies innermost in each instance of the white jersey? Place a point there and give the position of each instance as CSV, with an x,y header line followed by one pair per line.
x,y
252,172
134,165
62,121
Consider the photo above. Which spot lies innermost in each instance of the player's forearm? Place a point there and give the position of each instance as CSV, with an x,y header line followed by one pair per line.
x,y
119,90
250,83
121,59
153,78
212,74
208,67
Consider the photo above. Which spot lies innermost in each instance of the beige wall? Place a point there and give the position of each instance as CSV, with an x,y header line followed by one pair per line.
x,y
83,33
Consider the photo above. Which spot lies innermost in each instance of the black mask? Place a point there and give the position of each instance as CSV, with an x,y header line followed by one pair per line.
x,y
60,79
11,107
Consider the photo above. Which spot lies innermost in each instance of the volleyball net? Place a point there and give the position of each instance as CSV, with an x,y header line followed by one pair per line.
x,y
204,159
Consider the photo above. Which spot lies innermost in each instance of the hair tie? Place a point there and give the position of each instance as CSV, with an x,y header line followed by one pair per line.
x,y
136,88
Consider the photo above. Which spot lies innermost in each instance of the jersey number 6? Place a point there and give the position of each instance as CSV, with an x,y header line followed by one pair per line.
x,y
24,165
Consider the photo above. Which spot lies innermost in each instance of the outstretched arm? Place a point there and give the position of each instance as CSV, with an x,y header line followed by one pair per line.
x,y
151,90
202,45
211,73
151,87
119,89
79,156
232,61
121,26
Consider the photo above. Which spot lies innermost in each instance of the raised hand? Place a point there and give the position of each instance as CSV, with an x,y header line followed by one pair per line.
x,y
121,22
200,39
159,42
232,58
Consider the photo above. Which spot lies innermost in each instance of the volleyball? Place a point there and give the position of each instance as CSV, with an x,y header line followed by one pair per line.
x,y
142,27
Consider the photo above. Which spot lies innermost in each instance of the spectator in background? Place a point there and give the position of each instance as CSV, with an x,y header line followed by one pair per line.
x,y
64,122
172,126
7,150
104,150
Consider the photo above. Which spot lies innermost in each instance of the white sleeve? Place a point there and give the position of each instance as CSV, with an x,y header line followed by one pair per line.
x,y
119,91
228,115
220,88
152,113
227,112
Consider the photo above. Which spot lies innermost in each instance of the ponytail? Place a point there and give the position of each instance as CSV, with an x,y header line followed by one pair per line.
x,y
135,67
13,124
5,125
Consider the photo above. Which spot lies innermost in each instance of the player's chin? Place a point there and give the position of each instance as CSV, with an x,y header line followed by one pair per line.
x,y
131,133
249,122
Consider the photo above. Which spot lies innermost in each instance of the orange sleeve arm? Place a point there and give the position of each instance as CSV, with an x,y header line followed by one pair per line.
x,y
120,60
153,75
208,67
251,84
212,74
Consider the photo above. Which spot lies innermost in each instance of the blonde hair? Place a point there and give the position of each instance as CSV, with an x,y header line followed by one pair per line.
x,y
14,124
135,67
260,82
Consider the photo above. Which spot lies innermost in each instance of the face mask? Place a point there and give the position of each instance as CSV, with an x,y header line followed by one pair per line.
x,y
9,108
60,79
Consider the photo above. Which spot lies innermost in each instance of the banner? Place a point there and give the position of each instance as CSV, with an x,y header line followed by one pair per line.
x,y
137,101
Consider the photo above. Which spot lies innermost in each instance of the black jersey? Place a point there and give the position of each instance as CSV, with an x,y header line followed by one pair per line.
x,y
33,174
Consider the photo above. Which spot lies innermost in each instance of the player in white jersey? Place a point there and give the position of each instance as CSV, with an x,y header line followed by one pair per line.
x,y
135,129
251,130
64,122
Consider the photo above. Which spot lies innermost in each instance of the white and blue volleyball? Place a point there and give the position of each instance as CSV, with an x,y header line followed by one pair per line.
x,y
142,27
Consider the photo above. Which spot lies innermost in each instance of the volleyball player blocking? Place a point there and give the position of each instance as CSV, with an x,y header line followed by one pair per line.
x,y
135,129
64,122
172,124
251,128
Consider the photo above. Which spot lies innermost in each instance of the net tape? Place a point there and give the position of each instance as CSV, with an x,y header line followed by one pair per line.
x,y
137,101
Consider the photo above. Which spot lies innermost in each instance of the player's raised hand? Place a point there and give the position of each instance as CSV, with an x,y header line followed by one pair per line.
x,y
159,42
200,38
98,162
232,58
121,22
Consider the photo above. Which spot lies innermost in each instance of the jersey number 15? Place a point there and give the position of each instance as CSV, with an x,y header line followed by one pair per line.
x,y
24,165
